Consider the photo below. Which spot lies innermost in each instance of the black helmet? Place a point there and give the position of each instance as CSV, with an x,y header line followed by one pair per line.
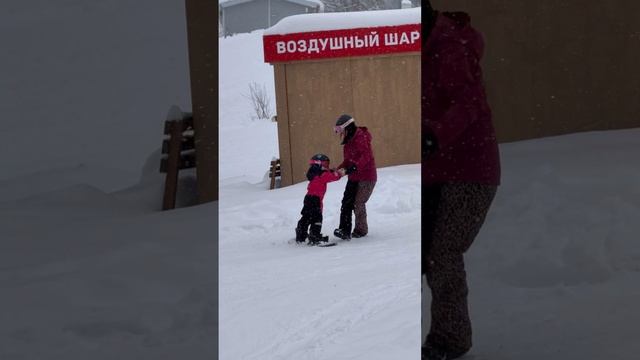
x,y
320,159
317,164
346,127
344,121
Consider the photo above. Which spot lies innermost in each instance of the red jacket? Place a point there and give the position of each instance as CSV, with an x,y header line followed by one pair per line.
x,y
318,186
454,106
358,152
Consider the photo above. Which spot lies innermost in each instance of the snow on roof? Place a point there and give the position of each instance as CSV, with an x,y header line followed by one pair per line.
x,y
308,3
344,20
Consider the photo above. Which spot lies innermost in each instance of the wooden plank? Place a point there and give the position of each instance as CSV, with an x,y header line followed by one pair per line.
x,y
185,124
173,163
284,143
274,172
187,143
187,161
188,122
272,185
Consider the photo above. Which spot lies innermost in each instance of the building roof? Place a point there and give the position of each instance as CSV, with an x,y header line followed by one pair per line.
x,y
345,20
307,3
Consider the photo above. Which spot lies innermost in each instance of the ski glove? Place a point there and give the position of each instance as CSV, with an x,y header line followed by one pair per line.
x,y
351,169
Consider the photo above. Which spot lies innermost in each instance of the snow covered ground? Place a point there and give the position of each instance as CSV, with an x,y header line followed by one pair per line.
x,y
90,82
90,270
553,274
357,300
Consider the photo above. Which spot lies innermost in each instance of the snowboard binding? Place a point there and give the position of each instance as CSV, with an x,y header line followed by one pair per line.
x,y
315,239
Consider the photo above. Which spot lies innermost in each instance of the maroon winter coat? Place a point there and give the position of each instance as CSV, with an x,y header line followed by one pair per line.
x,y
358,152
454,106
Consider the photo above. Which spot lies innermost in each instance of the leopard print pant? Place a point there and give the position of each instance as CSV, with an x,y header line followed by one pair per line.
x,y
452,215
365,188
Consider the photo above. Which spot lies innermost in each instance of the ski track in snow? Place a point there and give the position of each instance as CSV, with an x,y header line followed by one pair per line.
x,y
370,277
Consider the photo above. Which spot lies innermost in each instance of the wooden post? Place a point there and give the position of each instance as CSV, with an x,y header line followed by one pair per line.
x,y
173,165
202,32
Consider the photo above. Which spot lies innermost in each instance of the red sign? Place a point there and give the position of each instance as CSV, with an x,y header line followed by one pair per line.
x,y
342,43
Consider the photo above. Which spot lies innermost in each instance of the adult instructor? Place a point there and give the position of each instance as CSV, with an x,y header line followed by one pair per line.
x,y
460,172
360,165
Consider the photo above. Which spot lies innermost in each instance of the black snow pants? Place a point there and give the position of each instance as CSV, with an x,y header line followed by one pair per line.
x,y
356,195
311,219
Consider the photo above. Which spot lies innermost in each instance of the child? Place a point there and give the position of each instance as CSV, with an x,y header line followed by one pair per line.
x,y
319,175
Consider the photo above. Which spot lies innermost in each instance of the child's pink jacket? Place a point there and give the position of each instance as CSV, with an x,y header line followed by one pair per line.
x,y
318,186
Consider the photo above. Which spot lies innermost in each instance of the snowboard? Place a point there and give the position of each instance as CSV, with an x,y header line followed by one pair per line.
x,y
326,243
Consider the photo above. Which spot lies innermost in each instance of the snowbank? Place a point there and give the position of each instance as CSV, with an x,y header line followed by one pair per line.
x,y
89,84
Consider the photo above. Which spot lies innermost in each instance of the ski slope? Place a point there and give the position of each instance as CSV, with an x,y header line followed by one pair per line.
x,y
279,300
552,275
89,269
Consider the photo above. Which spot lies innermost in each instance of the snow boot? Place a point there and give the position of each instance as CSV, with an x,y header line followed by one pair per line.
x,y
315,239
432,353
301,235
344,235
357,234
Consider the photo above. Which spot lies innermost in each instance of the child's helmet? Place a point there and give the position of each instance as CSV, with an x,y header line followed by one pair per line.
x,y
320,159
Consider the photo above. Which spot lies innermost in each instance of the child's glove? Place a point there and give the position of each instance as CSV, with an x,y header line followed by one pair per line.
x,y
342,172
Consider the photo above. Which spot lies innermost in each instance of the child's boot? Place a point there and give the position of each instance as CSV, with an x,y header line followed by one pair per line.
x,y
301,235
315,239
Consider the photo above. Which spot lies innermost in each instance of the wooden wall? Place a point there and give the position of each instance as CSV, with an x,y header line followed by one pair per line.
x,y
381,93
558,66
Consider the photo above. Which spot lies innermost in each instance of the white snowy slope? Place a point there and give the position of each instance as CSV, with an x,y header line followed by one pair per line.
x,y
84,277
88,84
87,272
357,300
552,275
